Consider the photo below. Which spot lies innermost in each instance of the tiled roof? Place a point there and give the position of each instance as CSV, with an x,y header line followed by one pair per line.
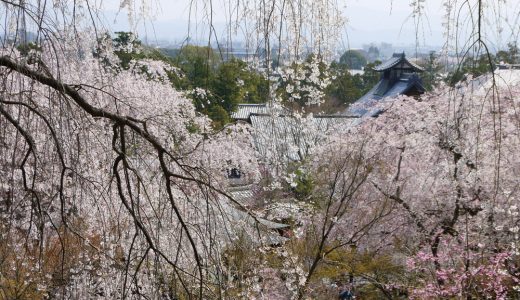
x,y
502,77
395,60
291,138
244,196
389,86
260,230
244,110
365,105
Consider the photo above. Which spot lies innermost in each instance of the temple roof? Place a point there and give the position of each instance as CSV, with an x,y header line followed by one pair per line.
x,y
244,110
385,89
395,60
292,137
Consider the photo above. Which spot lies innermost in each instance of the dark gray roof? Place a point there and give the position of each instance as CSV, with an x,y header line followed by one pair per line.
x,y
504,66
396,59
399,88
383,89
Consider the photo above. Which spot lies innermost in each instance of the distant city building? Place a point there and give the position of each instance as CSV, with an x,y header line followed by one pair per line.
x,y
399,76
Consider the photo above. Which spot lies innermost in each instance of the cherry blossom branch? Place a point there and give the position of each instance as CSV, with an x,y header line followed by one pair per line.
x,y
122,121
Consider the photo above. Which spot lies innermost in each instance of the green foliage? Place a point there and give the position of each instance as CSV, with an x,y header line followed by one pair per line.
x,y
170,52
370,77
509,56
124,38
219,115
27,47
374,271
228,82
474,66
237,257
192,127
348,88
353,59
377,270
345,87
304,185
228,85
255,86
485,63
235,83
198,64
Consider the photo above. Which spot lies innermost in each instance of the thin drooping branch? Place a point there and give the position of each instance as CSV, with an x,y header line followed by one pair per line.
x,y
350,185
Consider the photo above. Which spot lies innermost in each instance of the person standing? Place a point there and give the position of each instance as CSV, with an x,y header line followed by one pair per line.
x,y
345,294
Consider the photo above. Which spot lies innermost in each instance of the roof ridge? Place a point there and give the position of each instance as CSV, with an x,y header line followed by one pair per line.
x,y
251,104
394,60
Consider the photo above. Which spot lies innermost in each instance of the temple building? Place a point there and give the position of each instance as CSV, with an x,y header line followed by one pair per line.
x,y
399,76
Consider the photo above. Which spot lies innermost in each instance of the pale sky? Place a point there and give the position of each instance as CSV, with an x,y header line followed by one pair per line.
x,y
367,21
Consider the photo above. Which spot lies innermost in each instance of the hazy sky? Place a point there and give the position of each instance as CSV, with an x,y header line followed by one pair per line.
x,y
367,21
